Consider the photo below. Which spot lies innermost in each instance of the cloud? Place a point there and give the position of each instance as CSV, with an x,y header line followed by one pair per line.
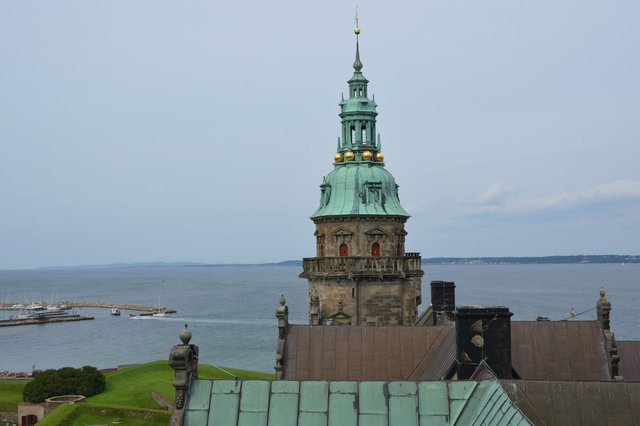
x,y
496,194
601,195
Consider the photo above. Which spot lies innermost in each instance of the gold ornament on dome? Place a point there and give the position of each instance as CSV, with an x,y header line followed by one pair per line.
x,y
338,157
350,156
379,156
366,155
357,30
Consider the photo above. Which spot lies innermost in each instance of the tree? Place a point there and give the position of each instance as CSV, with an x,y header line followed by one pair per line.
x,y
87,381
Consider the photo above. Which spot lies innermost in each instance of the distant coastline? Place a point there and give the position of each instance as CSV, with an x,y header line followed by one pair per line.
x,y
599,258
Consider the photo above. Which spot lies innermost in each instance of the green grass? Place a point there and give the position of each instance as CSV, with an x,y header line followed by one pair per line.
x,y
10,394
60,415
132,386
83,414
128,389
128,396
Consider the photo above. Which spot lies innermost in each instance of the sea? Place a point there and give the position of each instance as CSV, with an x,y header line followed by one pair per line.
x,y
231,310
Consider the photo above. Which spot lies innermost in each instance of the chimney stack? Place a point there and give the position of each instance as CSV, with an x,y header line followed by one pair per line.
x,y
483,333
443,299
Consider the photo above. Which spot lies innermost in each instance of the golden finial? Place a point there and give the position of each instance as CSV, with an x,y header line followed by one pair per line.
x,y
366,155
338,157
350,156
357,28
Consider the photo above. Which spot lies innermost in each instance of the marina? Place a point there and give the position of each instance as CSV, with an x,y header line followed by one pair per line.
x,y
56,312
106,305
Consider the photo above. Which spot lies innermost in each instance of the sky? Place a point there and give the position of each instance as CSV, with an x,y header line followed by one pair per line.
x,y
200,131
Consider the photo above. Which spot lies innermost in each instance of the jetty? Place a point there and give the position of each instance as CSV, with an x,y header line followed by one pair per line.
x,y
122,306
45,320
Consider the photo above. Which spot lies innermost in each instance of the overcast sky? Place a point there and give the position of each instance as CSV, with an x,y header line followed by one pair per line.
x,y
156,130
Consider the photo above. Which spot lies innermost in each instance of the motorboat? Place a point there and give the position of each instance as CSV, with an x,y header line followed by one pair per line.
x,y
115,311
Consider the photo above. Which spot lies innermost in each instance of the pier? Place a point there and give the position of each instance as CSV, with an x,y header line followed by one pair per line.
x,y
44,320
121,306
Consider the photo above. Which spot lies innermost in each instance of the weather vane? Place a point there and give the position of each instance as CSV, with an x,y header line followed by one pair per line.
x,y
357,28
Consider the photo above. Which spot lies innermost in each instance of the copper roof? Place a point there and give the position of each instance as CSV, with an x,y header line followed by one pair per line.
x,y
559,350
361,352
349,403
576,403
554,350
629,367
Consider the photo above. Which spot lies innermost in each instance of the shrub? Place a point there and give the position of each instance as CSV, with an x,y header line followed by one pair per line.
x,y
87,381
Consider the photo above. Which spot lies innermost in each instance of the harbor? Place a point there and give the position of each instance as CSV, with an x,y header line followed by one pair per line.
x,y
66,305
55,312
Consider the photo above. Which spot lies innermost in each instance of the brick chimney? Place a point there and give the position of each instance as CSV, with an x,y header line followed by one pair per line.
x,y
443,299
483,333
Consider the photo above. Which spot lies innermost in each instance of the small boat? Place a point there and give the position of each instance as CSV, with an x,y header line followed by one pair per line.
x,y
19,317
160,314
115,311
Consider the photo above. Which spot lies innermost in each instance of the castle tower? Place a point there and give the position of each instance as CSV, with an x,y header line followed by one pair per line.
x,y
361,274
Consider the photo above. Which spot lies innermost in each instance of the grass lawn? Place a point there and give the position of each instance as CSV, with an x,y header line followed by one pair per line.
x,y
84,414
132,386
10,393
128,395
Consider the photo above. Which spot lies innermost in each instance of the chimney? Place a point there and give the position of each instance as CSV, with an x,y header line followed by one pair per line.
x,y
443,299
483,333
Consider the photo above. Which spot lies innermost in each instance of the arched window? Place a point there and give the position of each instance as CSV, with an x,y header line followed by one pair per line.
x,y
375,250
363,135
344,250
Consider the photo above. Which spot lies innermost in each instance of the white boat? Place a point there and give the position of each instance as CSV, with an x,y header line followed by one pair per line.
x,y
160,314
19,317
115,311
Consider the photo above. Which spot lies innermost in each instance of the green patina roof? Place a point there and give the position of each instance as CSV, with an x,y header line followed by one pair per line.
x,y
307,403
361,185
359,188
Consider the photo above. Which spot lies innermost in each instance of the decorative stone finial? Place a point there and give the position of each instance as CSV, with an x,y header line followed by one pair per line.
x,y
185,336
283,301
602,292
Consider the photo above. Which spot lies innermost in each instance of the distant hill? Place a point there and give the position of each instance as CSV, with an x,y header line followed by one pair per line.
x,y
599,258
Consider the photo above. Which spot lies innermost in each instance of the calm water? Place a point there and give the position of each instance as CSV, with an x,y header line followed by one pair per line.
x,y
230,310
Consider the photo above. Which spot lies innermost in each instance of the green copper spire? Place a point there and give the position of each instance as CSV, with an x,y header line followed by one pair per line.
x,y
359,184
357,65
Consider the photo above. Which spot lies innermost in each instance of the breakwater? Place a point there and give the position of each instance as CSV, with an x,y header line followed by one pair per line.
x,y
44,320
121,306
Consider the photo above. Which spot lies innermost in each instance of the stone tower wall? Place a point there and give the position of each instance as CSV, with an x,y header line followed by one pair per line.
x,y
359,233
368,301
